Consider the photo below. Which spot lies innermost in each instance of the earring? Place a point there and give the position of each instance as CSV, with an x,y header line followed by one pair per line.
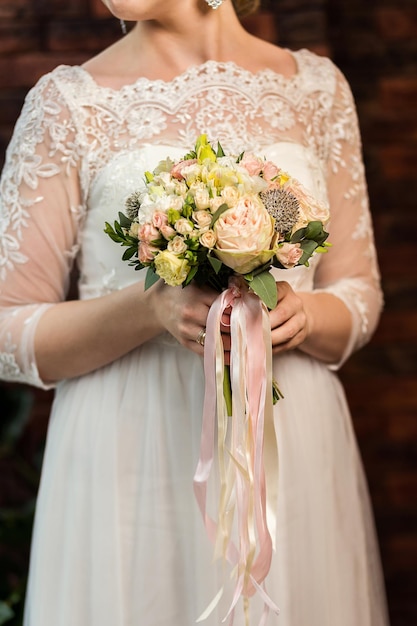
x,y
123,27
214,4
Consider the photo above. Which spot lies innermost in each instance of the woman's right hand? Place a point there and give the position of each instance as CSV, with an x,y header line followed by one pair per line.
x,y
183,313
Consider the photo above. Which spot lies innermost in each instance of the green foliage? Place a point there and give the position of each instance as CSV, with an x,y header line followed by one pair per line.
x,y
265,287
16,520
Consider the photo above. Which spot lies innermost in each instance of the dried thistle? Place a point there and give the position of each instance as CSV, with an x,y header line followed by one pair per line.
x,y
133,205
283,206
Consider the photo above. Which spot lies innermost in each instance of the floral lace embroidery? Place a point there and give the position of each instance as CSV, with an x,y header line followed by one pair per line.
x,y
9,368
70,123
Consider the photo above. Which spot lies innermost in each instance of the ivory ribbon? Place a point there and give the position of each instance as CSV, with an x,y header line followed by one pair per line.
x,y
247,455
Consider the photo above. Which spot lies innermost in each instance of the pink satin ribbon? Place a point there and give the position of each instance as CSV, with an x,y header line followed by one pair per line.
x,y
247,454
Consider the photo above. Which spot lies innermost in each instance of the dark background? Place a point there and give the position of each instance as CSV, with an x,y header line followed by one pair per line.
x,y
374,42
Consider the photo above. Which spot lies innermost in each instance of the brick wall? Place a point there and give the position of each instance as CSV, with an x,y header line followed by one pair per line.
x,y
375,44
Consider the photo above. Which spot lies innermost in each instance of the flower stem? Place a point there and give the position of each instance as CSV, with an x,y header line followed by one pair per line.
x,y
227,390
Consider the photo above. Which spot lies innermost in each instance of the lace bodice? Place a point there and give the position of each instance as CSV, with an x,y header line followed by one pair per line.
x,y
79,149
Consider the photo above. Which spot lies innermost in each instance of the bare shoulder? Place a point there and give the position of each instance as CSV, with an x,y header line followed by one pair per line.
x,y
108,68
262,54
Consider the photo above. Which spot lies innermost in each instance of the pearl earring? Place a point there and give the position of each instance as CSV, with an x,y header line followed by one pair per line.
x,y
214,4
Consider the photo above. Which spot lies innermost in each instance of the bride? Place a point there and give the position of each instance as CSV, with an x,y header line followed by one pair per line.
x,y
118,538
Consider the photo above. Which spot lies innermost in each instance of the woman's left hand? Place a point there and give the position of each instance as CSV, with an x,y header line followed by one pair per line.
x,y
289,320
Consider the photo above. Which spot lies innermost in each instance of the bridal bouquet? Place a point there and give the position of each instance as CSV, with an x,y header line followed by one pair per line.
x,y
210,216
226,221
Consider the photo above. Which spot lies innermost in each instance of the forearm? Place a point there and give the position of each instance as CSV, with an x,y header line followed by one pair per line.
x,y
329,325
76,337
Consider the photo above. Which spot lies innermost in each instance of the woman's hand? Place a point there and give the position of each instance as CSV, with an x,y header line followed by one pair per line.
x,y
183,313
290,324
319,324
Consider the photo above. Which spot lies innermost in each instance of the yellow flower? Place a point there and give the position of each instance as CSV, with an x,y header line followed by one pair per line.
x,y
171,268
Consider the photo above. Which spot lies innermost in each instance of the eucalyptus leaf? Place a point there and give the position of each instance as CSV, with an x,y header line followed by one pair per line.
x,y
265,287
316,232
124,221
298,235
222,208
193,271
215,263
129,253
110,232
151,278
307,246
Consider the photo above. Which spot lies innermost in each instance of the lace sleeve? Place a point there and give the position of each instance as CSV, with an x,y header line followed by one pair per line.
x,y
39,209
350,270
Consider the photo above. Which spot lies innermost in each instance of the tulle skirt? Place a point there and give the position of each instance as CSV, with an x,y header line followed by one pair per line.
x,y
119,539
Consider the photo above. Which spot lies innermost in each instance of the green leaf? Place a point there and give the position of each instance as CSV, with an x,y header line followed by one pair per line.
x,y
6,613
151,278
111,233
193,271
220,151
307,246
125,221
265,287
298,235
129,253
215,263
222,208
316,232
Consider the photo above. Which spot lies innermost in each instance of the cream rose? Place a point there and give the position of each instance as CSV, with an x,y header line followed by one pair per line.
x,y
215,203
202,198
244,235
171,268
183,226
202,218
134,229
177,245
208,239
230,196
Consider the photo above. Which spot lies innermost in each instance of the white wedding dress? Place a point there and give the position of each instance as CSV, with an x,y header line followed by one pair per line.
x,y
118,538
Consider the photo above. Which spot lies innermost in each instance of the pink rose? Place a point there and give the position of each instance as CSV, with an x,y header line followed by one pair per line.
x,y
252,164
311,209
269,171
147,233
167,231
176,171
288,254
146,252
244,235
159,219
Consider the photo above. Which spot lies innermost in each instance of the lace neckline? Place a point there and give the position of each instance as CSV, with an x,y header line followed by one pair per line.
x,y
211,69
